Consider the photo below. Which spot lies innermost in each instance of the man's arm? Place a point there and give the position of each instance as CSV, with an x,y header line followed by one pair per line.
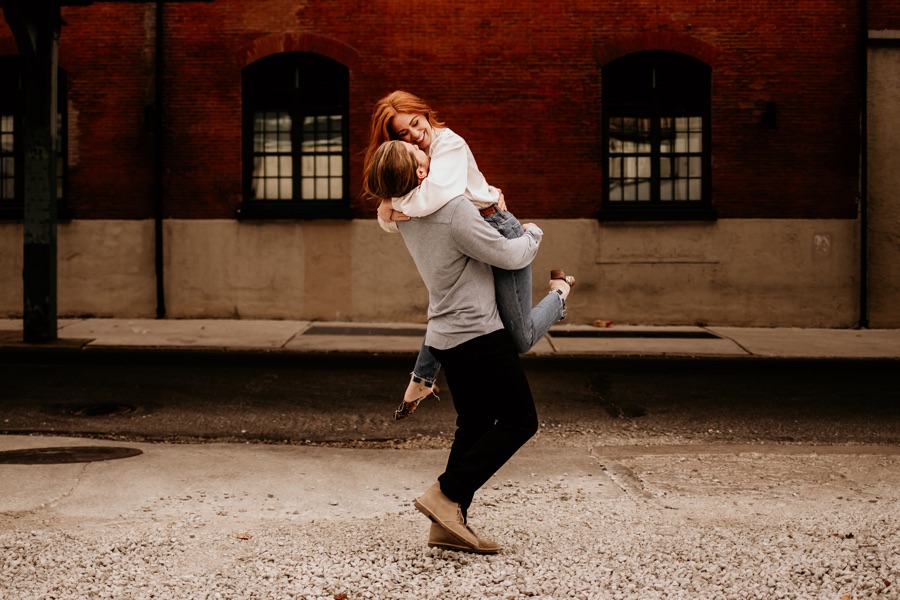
x,y
388,217
478,240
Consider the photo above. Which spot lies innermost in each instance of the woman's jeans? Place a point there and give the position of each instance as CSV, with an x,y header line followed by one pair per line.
x,y
493,420
526,325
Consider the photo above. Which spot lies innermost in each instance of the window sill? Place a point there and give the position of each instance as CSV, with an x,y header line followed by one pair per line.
x,y
257,210
658,214
17,213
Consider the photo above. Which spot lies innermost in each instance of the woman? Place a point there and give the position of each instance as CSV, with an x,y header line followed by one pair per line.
x,y
452,172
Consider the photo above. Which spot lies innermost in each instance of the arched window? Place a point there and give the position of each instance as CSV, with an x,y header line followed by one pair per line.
x,y
657,131
12,142
295,137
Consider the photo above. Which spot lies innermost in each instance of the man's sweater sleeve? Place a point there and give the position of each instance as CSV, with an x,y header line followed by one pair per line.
x,y
478,240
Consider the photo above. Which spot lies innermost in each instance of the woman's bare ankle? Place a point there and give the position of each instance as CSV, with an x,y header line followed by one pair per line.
x,y
416,390
560,287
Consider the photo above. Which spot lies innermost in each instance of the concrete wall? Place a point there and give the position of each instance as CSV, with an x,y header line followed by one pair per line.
x,y
884,185
105,269
733,272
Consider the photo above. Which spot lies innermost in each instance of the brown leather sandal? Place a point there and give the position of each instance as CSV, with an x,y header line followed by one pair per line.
x,y
408,408
561,275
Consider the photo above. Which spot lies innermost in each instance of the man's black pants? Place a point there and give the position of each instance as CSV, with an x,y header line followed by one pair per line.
x,y
494,407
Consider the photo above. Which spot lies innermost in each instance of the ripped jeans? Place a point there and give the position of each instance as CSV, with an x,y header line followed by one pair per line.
x,y
526,325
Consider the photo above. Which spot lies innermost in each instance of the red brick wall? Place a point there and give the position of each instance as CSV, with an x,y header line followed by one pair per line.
x,y
883,14
520,81
107,53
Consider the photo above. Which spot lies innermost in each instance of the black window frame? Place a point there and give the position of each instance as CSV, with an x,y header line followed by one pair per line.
x,y
654,99
310,88
11,106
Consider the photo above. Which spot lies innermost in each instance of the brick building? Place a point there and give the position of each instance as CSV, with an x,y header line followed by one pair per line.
x,y
691,162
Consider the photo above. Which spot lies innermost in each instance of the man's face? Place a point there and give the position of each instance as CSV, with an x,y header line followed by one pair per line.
x,y
422,159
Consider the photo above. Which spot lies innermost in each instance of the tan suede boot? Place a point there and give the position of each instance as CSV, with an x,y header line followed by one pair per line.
x,y
446,513
439,538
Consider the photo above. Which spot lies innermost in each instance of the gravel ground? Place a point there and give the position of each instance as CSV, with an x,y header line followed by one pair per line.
x,y
693,527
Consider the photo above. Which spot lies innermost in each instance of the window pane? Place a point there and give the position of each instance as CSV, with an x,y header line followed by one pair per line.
x,y
630,167
6,133
322,166
285,166
270,189
645,167
696,166
644,191
286,189
270,166
665,167
308,167
667,189
696,189
615,168
309,189
615,191
337,188
681,189
696,142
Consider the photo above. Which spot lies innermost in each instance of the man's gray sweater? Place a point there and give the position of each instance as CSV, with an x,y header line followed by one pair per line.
x,y
454,248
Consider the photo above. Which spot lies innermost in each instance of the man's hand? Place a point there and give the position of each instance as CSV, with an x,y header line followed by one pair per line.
x,y
388,214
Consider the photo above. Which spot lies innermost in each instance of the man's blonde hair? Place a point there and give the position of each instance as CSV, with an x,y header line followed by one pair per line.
x,y
392,171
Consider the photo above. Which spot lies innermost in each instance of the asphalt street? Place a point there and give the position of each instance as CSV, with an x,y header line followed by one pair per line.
x,y
348,400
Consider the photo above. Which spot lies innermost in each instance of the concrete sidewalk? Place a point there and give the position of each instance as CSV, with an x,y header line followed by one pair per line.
x,y
385,338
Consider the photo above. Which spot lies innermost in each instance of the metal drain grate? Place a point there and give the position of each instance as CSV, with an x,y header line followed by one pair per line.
x,y
65,455
98,409
605,333
387,331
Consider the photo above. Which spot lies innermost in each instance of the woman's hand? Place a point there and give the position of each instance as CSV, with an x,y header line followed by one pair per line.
x,y
387,213
501,203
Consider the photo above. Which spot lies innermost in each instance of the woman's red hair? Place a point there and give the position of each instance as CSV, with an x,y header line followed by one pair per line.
x,y
385,110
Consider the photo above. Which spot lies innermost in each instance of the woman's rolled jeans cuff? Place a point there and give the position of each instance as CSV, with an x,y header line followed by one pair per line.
x,y
422,379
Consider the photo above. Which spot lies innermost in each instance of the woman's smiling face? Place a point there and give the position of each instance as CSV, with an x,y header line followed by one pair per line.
x,y
413,128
